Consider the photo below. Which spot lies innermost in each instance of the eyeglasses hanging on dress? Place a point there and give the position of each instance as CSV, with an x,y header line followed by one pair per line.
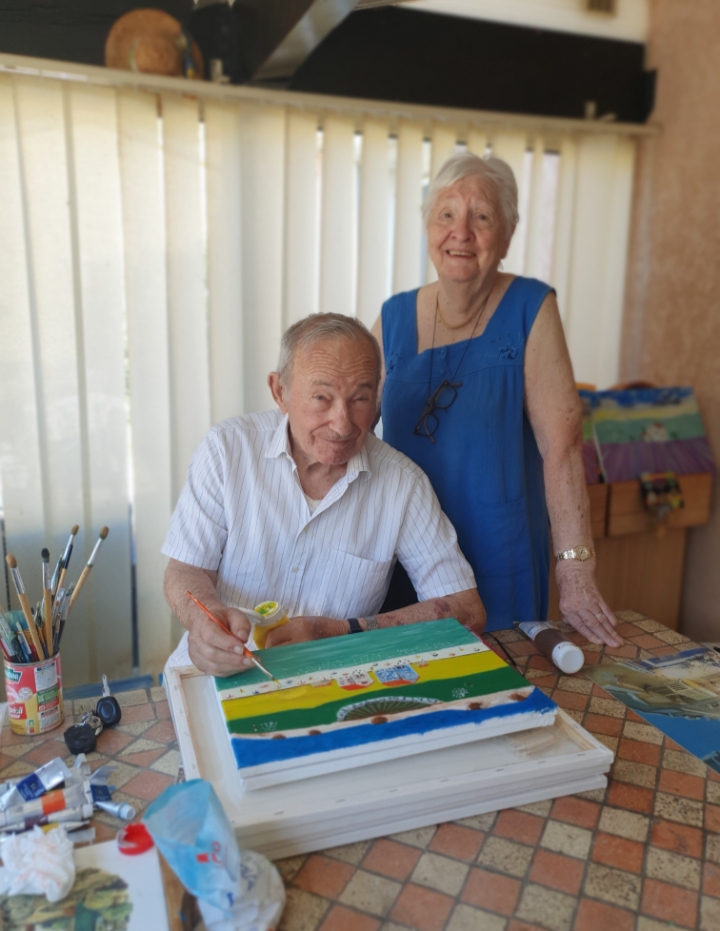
x,y
443,397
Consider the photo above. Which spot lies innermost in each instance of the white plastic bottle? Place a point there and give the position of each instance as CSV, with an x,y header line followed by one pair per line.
x,y
568,657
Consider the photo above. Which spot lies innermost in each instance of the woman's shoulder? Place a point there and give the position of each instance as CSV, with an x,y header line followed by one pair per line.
x,y
403,301
530,288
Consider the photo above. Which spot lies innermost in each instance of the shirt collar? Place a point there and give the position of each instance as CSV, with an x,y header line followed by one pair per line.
x,y
280,446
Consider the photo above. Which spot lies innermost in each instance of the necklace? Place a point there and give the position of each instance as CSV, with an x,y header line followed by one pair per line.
x,y
467,343
456,326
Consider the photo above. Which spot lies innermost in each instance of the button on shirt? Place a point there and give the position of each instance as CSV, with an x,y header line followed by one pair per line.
x,y
243,513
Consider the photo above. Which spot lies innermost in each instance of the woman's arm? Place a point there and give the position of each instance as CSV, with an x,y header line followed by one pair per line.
x,y
553,406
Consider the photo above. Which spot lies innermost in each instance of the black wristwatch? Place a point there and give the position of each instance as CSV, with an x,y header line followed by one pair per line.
x,y
355,627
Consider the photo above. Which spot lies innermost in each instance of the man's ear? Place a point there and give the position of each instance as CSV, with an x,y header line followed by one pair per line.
x,y
278,391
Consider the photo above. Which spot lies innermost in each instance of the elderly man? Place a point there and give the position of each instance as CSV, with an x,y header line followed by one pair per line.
x,y
306,507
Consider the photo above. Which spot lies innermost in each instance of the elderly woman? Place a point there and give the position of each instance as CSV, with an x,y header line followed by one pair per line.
x,y
479,392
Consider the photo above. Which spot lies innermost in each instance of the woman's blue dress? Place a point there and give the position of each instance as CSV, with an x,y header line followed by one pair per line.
x,y
485,465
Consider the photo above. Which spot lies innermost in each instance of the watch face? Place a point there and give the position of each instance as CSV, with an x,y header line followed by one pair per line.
x,y
583,552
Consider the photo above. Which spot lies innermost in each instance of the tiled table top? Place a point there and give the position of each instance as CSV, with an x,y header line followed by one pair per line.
x,y
642,855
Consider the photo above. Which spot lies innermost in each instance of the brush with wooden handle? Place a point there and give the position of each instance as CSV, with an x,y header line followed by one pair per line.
x,y
104,531
65,559
24,603
47,600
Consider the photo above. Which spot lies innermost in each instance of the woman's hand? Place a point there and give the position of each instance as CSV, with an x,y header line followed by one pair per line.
x,y
582,605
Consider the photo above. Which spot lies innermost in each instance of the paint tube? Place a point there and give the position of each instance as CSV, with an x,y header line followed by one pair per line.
x,y
70,816
51,803
102,774
568,657
120,809
49,776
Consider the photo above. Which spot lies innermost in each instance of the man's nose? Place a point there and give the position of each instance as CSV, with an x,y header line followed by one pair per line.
x,y
341,422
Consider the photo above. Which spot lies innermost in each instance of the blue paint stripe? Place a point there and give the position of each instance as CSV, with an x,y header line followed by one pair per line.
x,y
254,752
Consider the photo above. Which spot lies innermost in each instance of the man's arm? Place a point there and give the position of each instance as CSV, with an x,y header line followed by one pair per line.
x,y
465,606
211,650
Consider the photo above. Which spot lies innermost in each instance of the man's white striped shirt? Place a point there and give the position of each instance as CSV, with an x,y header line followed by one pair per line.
x,y
243,513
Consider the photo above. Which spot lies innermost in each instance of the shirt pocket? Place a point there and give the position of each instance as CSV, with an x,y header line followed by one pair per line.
x,y
352,586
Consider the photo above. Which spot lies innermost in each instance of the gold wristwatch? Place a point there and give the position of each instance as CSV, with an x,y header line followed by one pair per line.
x,y
577,552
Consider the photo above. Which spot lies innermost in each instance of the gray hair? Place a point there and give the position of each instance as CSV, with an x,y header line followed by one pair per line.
x,y
317,327
495,170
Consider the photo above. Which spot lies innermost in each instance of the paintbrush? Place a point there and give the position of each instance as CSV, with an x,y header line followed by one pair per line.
x,y
65,559
86,571
246,652
24,603
47,600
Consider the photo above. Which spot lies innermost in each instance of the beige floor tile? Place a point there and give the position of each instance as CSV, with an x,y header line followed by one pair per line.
x,y
158,693
712,848
682,762
650,626
537,808
440,873
350,853
506,856
709,914
289,867
673,868
465,918
652,924
541,906
607,706
169,763
614,886
479,822
566,838
370,893
635,731
134,697
638,774
623,823
593,795
303,911
136,728
420,837
610,742
675,808
123,773
394,926
712,792
571,684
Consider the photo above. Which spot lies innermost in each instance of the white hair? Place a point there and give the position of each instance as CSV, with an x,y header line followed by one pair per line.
x,y
495,170
316,327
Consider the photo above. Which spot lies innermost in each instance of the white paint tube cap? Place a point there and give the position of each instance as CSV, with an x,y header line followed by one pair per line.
x,y
568,657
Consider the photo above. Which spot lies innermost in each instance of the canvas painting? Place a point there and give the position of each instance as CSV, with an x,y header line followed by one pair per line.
x,y
679,694
650,430
402,688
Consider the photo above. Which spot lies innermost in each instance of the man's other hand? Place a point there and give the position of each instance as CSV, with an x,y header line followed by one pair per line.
x,y
301,629
217,652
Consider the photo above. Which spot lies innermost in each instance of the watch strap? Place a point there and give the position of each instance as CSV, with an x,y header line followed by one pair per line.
x,y
355,627
371,622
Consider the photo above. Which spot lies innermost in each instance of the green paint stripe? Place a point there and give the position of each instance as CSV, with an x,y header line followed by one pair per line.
x,y
337,652
484,683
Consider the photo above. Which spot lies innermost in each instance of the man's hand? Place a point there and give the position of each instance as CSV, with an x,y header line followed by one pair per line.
x,y
212,650
302,629
582,605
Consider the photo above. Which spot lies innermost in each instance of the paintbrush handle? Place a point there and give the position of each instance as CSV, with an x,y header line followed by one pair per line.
x,y
80,582
47,607
32,629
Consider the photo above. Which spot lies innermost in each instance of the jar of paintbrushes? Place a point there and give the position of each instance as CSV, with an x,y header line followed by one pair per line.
x,y
30,642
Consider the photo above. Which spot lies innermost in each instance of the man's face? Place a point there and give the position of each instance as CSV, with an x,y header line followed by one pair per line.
x,y
331,400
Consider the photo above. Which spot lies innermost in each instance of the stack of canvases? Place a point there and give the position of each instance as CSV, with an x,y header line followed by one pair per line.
x,y
363,736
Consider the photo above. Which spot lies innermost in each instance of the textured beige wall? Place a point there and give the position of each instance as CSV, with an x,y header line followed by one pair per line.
x,y
672,314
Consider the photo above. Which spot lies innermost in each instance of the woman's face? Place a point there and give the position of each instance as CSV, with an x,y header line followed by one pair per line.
x,y
466,233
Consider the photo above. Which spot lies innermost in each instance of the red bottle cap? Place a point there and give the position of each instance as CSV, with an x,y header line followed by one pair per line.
x,y
134,839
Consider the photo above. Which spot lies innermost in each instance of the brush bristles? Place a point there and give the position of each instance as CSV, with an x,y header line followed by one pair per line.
x,y
45,553
104,531
75,529
11,561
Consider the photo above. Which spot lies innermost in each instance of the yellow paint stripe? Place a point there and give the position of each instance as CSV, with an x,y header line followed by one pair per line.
x,y
645,413
309,696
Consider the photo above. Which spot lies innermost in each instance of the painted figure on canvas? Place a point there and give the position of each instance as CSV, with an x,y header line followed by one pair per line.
x,y
305,506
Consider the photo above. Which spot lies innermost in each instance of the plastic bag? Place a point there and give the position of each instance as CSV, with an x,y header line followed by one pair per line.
x,y
38,864
193,833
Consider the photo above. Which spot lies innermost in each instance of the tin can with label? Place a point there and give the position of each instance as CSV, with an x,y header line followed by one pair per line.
x,y
34,695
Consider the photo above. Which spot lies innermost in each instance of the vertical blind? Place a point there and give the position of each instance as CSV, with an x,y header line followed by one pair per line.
x,y
154,246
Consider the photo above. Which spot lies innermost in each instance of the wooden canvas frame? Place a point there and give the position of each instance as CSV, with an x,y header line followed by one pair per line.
x,y
386,797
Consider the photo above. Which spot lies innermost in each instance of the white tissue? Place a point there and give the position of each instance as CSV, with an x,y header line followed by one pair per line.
x,y
259,901
38,864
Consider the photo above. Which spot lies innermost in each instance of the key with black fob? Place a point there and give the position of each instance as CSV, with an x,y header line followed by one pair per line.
x,y
82,737
108,709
